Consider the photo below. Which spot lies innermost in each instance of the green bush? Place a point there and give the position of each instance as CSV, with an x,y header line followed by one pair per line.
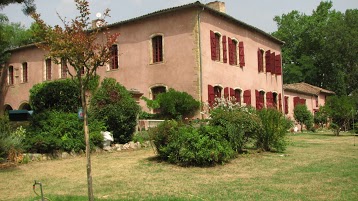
x,y
114,105
61,95
174,104
239,125
303,116
10,141
275,127
50,131
189,145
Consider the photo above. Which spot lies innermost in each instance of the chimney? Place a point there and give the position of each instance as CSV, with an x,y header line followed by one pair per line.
x,y
217,5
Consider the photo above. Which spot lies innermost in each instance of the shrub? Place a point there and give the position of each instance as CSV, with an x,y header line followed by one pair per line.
x,y
61,95
50,131
10,141
303,116
188,145
275,126
114,105
174,104
239,125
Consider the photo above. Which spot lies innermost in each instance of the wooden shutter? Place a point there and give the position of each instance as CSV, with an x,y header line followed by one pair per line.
x,y
247,97
241,54
268,61
278,67
224,49
257,95
213,45
259,60
272,63
232,93
286,105
226,92
280,102
231,55
269,99
211,95
296,100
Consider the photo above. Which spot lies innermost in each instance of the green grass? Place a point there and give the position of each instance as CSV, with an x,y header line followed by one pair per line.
x,y
316,166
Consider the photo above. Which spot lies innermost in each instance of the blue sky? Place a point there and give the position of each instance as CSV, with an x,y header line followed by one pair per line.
x,y
258,13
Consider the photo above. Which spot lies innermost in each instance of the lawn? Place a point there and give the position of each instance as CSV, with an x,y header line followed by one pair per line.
x,y
317,166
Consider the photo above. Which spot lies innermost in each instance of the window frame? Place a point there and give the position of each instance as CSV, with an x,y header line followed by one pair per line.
x,y
10,77
24,72
114,60
48,69
64,68
157,48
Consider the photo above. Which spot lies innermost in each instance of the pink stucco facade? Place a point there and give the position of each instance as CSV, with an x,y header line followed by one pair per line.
x,y
187,64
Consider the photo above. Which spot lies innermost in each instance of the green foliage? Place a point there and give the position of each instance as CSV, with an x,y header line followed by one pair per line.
x,y
188,145
239,125
320,48
113,104
275,127
10,141
60,95
174,104
341,110
303,116
50,131
321,117
141,136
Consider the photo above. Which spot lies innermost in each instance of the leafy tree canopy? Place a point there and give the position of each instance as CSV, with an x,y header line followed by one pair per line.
x,y
28,8
320,49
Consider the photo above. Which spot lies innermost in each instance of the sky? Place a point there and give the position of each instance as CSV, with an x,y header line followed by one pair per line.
x,y
258,13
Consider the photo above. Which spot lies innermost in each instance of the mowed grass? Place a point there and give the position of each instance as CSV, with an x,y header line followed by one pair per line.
x,y
317,166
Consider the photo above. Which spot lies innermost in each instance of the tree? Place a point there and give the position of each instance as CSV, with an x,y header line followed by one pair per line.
x,y
114,105
321,116
78,45
28,8
339,109
303,116
320,48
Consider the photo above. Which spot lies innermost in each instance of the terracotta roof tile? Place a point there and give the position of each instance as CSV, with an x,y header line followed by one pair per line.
x,y
306,88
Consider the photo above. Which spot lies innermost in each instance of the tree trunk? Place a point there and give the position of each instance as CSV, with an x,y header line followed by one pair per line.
x,y
88,149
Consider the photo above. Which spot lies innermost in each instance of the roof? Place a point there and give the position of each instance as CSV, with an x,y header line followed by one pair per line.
x,y
306,89
200,6
196,4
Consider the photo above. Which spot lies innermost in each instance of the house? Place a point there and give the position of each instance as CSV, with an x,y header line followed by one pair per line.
x,y
303,93
196,48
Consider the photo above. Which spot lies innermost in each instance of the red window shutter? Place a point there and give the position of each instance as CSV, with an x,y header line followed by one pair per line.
x,y
211,95
257,95
286,105
273,63
231,59
247,97
224,49
213,45
278,68
226,92
268,61
296,100
241,54
280,102
259,60
269,98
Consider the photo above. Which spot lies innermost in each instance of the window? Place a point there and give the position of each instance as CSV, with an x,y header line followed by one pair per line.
x,y
286,104
241,54
217,91
260,59
48,69
274,99
260,99
11,75
217,47
238,95
64,68
232,52
155,92
316,101
157,48
247,97
24,72
114,57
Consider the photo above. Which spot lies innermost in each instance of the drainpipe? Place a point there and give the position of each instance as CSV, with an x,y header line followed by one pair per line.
x,y
200,66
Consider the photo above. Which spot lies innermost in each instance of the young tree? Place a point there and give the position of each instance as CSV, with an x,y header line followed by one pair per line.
x,y
303,116
85,50
340,109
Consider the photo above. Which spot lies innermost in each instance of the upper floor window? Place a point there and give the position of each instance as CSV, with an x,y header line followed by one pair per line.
x,y
157,48
24,72
215,45
233,51
113,63
64,68
260,59
11,75
48,69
